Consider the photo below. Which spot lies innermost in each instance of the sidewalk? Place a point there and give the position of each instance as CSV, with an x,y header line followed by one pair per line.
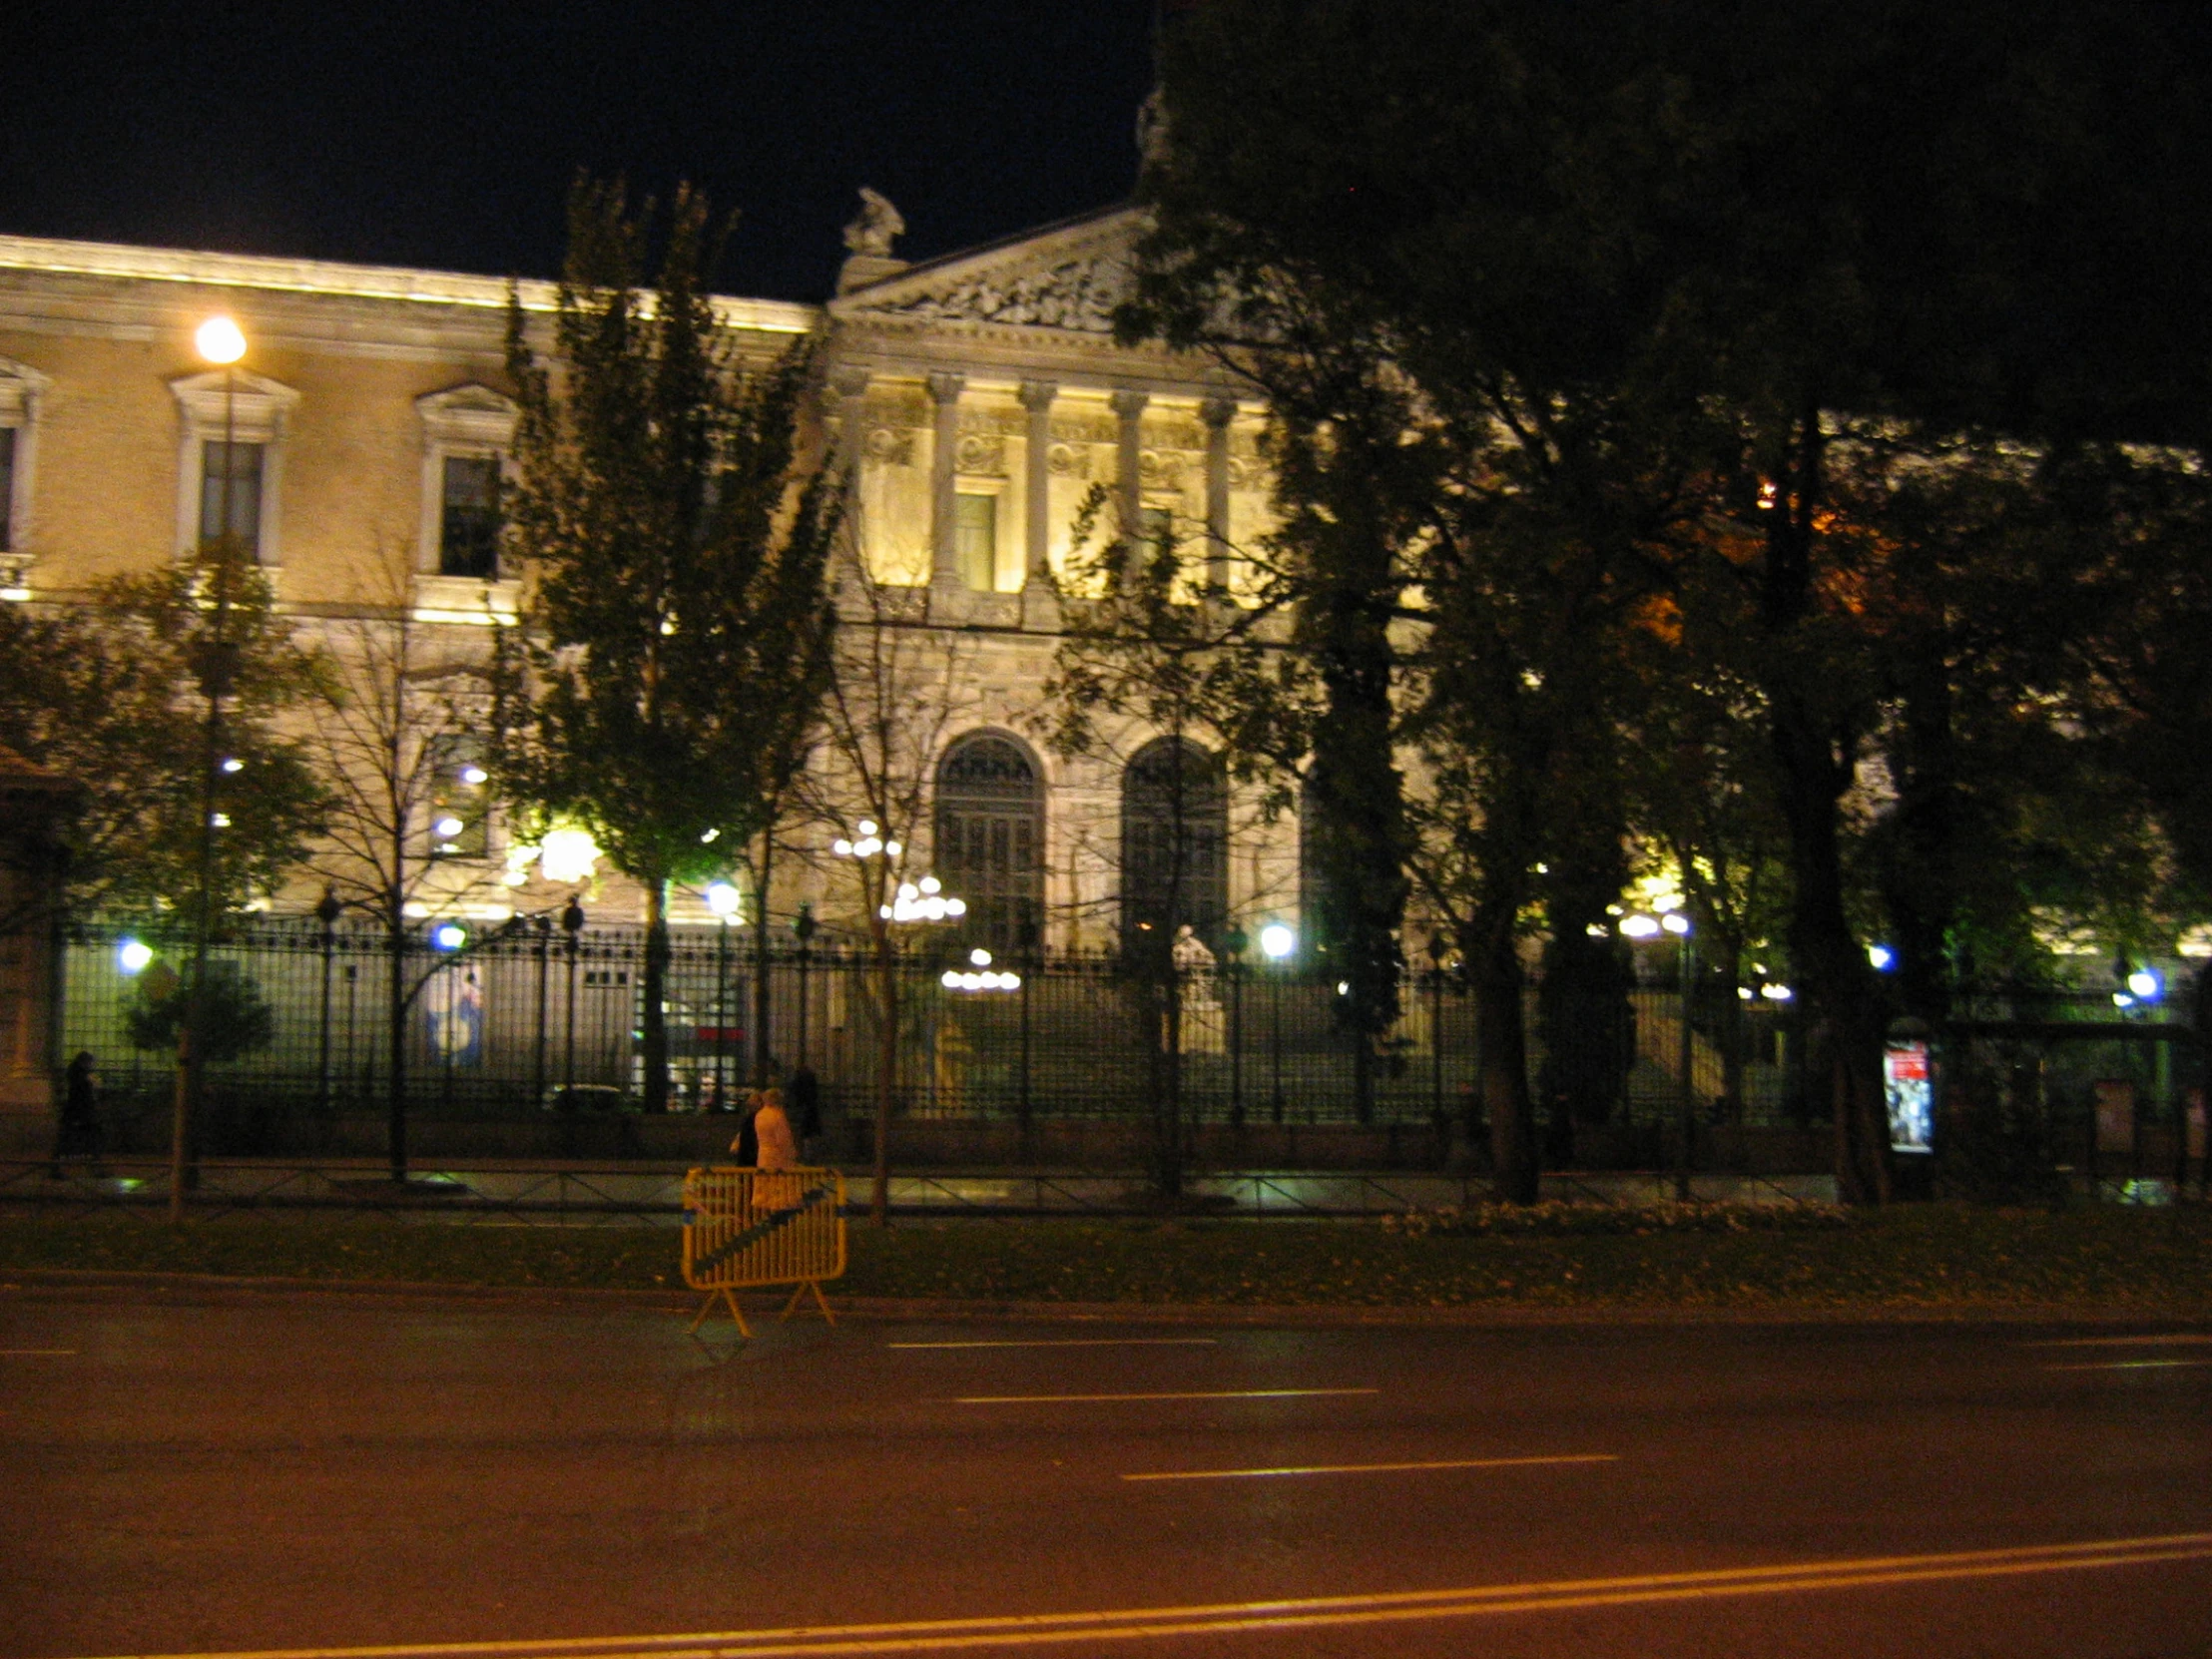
x,y
653,1196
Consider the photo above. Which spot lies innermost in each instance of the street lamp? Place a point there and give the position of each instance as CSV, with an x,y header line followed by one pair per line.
x,y
1275,944
221,343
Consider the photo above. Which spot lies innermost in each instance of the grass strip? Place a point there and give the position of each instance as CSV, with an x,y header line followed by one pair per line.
x,y
1935,1257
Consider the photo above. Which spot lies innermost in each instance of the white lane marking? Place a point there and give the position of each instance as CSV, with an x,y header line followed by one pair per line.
x,y
1380,1468
1034,1629
1211,1393
1079,1342
2170,1338
34,1353
2130,1364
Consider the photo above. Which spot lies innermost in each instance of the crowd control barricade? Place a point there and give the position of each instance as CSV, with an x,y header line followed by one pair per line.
x,y
746,1228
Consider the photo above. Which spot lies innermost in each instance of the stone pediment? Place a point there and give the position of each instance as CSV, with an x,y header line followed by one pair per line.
x,y
1063,281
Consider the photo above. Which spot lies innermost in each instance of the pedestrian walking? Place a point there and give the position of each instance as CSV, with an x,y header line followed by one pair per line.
x,y
747,1145
776,1146
77,1132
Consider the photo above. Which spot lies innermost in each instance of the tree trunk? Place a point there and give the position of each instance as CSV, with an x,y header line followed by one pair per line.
x,y
656,995
1501,1038
396,1032
764,1062
1844,1026
887,1059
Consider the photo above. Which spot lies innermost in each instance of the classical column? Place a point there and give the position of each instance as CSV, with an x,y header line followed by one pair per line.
x,y
1216,412
851,388
1129,484
945,564
1037,397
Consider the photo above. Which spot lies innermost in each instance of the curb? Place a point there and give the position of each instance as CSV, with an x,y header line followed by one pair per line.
x,y
199,1286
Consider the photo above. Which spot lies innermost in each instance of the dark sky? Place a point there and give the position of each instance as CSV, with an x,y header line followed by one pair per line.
x,y
446,135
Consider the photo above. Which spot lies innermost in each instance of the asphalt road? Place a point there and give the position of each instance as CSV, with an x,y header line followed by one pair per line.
x,y
331,1472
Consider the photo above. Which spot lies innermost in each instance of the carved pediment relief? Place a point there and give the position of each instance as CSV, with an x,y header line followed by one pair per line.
x,y
1067,280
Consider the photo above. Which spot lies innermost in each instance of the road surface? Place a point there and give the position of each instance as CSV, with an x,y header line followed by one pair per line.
x,y
226,1472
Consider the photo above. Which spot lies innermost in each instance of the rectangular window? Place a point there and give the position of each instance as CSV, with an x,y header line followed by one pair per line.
x,y
468,520
975,540
460,799
7,489
230,494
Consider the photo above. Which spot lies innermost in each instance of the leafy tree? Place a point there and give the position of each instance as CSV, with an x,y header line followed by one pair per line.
x,y
110,693
1653,271
235,1018
1168,675
674,638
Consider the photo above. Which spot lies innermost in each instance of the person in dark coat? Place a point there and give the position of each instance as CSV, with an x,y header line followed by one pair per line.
x,y
805,1106
77,1132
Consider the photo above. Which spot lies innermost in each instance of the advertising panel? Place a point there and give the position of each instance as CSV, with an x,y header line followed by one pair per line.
x,y
1909,1085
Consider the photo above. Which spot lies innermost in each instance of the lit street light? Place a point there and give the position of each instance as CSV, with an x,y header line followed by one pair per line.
x,y
221,343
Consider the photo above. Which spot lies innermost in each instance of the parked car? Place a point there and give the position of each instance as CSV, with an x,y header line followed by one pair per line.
x,y
588,1097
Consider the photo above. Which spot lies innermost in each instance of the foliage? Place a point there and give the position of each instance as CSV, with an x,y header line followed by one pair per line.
x,y
235,1019
674,638
109,694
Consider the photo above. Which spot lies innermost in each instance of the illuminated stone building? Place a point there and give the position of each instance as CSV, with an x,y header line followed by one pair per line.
x,y
981,399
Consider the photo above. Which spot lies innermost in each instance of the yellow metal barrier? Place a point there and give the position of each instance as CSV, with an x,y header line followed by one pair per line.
x,y
744,1228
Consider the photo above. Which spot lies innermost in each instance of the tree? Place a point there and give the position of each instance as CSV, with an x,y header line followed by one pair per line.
x,y
110,694
1162,669
899,687
674,638
1649,272
397,733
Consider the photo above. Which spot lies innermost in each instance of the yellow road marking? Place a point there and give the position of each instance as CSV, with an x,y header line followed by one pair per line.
x,y
1210,1394
1078,1342
1379,1469
2129,1365
2165,1337
1028,1630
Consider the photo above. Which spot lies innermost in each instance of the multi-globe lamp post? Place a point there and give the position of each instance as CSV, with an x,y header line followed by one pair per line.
x,y
1642,925
874,853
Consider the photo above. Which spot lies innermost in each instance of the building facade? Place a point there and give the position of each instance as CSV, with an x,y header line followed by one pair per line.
x,y
980,403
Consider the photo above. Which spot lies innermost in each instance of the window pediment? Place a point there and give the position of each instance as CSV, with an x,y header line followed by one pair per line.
x,y
468,414
251,405
21,386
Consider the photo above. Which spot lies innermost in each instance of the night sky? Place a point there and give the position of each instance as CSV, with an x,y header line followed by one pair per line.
x,y
445,136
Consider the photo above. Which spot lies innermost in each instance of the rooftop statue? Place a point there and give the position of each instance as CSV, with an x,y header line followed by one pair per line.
x,y
872,234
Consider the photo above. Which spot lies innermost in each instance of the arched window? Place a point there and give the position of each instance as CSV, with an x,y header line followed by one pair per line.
x,y
1174,843
990,839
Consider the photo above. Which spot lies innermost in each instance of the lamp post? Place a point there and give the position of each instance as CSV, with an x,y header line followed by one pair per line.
x,y
1275,944
326,911
1235,941
1643,926
221,343
572,924
804,928
722,900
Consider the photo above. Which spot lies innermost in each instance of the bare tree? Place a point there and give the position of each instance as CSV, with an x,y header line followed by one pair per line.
x,y
901,687
397,731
